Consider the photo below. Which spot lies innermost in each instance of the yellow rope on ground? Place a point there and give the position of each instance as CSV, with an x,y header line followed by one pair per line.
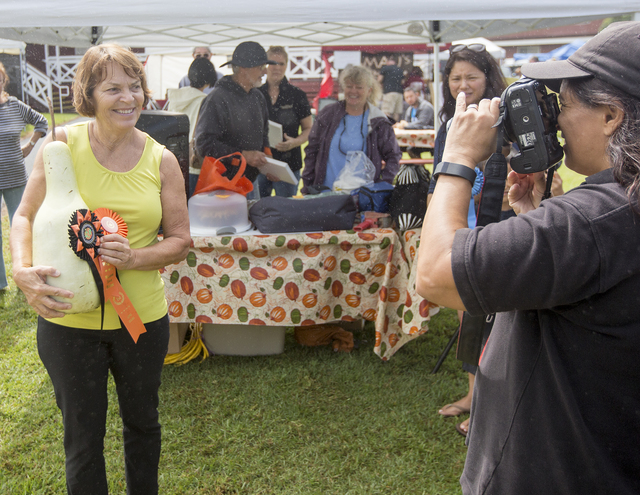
x,y
191,349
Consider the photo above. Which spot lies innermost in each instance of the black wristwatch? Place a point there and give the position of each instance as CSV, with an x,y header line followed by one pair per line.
x,y
455,169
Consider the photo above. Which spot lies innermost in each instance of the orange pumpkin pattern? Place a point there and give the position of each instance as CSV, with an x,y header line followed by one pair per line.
x,y
225,261
204,296
304,279
175,309
206,270
258,299
224,311
309,300
279,263
238,289
330,263
312,250
260,253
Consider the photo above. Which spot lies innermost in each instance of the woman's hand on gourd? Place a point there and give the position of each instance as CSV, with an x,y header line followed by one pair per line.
x,y
526,191
115,250
32,281
471,137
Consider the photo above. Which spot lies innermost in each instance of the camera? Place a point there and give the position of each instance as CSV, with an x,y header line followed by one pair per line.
x,y
529,117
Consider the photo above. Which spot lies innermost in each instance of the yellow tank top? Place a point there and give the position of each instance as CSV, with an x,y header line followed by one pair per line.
x,y
135,196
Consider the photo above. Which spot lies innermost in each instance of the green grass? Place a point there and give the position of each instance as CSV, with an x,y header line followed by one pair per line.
x,y
308,421
61,118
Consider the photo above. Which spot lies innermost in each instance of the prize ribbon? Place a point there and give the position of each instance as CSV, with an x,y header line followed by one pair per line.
x,y
86,229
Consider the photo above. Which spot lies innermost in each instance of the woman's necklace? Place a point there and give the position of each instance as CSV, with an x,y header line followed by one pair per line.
x,y
364,138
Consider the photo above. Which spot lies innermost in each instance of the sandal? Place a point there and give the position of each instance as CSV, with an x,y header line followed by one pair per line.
x,y
457,410
463,428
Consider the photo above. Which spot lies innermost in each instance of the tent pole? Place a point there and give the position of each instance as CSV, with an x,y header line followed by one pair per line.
x,y
436,84
435,37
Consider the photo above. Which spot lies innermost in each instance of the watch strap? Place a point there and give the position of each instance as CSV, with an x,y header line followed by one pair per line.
x,y
455,169
33,143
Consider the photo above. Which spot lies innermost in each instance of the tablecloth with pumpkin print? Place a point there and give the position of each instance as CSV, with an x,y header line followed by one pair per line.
x,y
418,138
303,279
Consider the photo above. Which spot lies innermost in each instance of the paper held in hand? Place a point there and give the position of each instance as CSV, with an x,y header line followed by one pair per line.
x,y
280,169
275,133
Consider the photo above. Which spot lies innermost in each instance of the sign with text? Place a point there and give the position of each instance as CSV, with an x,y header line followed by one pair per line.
x,y
375,61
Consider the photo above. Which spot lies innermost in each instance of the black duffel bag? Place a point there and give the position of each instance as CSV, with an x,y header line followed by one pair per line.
x,y
276,214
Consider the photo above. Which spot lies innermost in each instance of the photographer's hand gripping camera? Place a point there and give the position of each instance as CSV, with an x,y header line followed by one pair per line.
x,y
529,119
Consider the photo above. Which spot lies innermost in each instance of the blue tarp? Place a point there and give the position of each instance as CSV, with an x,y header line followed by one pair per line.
x,y
561,53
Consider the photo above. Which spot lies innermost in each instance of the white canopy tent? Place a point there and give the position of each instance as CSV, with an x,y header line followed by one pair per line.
x,y
162,26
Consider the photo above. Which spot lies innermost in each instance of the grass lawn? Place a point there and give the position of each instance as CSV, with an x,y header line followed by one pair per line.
x,y
308,421
61,118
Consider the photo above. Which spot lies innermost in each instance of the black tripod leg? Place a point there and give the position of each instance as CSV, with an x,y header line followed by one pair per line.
x,y
443,356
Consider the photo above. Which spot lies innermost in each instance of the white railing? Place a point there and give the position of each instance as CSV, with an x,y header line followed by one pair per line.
x,y
39,86
62,69
306,63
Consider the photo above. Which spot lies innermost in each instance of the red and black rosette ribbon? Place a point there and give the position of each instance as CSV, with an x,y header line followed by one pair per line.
x,y
85,232
86,229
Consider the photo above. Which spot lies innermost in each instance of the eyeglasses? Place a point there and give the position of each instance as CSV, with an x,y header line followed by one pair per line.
x,y
474,47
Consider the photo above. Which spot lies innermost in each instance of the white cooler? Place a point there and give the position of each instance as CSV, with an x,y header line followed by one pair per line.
x,y
243,340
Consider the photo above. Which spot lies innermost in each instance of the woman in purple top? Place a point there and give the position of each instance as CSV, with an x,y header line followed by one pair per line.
x,y
354,124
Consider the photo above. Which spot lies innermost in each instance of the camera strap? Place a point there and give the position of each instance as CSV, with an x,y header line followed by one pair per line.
x,y
475,329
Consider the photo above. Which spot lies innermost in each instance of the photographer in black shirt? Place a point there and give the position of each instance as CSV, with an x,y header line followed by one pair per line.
x,y
556,405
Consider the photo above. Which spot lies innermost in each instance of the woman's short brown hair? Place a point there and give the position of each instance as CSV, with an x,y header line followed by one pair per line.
x,y
92,70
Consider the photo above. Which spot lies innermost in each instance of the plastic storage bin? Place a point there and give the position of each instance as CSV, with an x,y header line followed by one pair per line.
x,y
243,340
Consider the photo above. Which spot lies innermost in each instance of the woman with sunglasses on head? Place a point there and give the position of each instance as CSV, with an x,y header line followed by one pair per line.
x,y
473,71
355,124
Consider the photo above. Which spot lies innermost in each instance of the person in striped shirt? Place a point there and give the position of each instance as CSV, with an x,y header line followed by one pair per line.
x,y
14,115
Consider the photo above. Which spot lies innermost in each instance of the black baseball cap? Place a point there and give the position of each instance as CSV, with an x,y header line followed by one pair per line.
x,y
249,54
613,56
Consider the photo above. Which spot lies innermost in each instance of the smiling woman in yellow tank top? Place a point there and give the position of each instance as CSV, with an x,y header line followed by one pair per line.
x,y
123,169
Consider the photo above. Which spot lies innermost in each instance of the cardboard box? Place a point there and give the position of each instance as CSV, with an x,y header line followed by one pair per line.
x,y
177,332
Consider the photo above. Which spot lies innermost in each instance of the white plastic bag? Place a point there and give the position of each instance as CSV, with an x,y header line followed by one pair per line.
x,y
358,171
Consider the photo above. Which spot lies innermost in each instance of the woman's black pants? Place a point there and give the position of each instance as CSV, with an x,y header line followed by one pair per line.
x,y
78,362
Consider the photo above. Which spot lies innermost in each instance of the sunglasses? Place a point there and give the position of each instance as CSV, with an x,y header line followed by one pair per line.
x,y
474,47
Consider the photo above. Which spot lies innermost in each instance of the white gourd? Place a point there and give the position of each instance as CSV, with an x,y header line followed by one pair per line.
x,y
50,231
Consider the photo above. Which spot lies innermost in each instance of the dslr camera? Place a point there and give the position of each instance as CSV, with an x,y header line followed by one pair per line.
x,y
529,118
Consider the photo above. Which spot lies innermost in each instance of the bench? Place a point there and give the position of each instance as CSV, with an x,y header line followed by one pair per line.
x,y
416,161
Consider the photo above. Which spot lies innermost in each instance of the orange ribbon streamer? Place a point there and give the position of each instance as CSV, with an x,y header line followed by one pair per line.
x,y
114,292
112,223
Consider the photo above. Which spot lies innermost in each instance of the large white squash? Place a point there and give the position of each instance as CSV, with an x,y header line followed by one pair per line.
x,y
50,231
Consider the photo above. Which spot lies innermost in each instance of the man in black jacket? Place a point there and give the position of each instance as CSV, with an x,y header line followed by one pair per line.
x,y
234,117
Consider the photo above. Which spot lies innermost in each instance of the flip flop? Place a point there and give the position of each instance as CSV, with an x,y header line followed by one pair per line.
x,y
460,430
458,410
